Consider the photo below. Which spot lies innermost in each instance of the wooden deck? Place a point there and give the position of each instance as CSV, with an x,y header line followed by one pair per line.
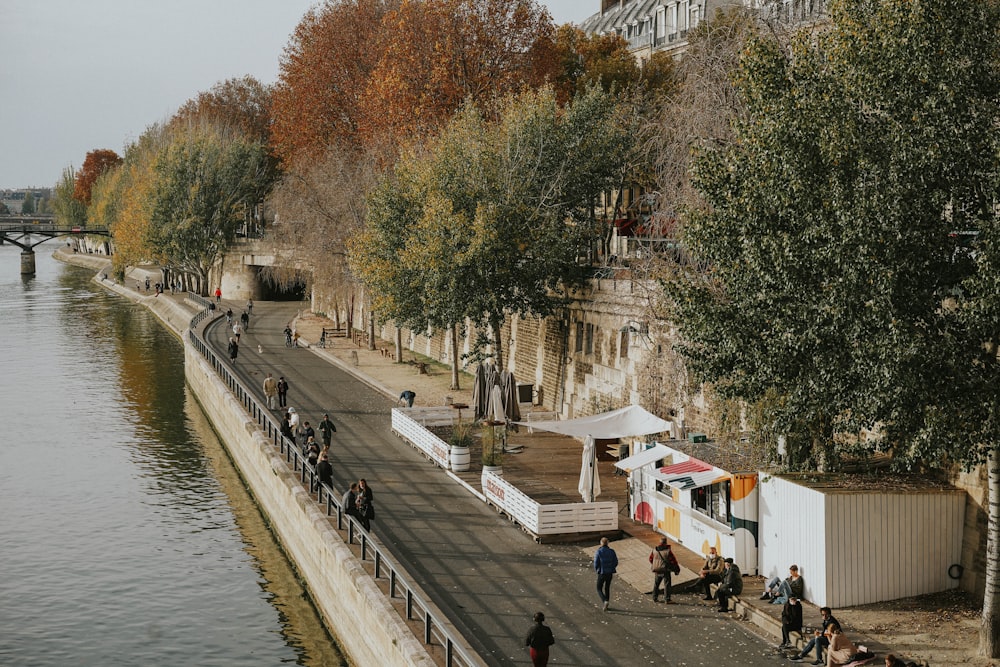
x,y
546,466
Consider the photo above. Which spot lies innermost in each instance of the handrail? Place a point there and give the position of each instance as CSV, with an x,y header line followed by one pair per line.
x,y
436,630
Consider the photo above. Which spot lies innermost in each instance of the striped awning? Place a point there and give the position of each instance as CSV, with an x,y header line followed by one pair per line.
x,y
690,474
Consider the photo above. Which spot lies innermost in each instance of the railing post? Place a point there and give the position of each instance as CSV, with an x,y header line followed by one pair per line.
x,y
378,565
409,604
449,652
392,583
427,627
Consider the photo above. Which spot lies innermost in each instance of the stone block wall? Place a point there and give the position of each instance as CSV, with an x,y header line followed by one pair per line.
x,y
342,590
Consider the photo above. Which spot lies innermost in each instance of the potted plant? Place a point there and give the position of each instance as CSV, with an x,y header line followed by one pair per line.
x,y
459,442
493,446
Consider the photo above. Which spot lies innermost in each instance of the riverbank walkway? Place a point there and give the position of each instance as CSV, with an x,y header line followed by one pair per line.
x,y
487,574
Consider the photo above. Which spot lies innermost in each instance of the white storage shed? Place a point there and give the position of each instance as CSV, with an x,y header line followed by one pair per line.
x,y
858,542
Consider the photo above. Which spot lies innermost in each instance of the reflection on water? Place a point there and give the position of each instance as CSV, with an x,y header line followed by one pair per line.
x,y
128,538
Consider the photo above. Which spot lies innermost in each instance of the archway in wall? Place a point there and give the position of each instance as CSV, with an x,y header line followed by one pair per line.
x,y
272,290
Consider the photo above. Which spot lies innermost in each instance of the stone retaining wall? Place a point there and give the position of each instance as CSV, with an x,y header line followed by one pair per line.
x,y
354,609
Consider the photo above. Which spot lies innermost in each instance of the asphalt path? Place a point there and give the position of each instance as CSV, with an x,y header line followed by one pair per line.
x,y
486,574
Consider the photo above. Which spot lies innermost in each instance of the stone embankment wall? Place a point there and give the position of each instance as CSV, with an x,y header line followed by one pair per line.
x,y
359,615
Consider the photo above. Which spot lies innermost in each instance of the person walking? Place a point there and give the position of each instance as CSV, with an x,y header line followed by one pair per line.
x,y
365,504
663,563
605,564
327,428
229,316
282,391
218,294
539,640
245,319
270,391
234,349
250,306
324,470
237,330
288,336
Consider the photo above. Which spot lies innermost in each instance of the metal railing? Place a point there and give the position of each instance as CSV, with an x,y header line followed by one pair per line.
x,y
436,632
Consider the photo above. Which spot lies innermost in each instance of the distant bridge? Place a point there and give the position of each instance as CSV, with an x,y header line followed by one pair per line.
x,y
23,231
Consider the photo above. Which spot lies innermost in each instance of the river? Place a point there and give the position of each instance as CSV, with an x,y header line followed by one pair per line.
x,y
126,537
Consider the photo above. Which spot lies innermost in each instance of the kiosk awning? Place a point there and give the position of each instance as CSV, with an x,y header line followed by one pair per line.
x,y
645,457
690,474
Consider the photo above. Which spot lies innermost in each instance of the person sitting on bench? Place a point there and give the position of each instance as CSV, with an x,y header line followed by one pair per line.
x,y
820,638
778,591
711,571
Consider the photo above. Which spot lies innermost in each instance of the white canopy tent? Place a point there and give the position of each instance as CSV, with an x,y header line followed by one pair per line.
x,y
631,421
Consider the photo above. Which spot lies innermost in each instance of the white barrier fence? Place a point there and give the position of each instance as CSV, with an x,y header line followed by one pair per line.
x,y
538,519
548,519
406,426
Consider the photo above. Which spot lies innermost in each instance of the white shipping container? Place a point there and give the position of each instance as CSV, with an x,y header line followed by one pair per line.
x,y
857,546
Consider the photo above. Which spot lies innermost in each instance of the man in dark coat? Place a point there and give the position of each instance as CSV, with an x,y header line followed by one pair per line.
x,y
791,621
605,564
349,502
732,584
327,428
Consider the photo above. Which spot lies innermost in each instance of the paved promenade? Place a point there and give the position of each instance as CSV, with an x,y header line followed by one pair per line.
x,y
470,560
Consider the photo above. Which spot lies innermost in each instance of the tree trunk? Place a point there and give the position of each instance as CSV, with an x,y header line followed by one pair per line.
x,y
371,330
454,357
989,633
495,323
399,345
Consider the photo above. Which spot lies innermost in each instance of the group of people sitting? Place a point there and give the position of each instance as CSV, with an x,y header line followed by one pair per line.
x,y
789,592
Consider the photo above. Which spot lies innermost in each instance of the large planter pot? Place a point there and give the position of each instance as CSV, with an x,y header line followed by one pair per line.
x,y
460,458
496,470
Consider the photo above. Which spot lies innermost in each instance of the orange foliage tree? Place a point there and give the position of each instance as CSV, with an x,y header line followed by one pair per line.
x,y
240,104
96,163
323,72
370,74
441,53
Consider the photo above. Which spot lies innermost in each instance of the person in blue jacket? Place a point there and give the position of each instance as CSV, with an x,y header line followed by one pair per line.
x,y
605,564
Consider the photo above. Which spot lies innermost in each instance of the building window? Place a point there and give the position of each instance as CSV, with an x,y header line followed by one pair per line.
x,y
579,337
712,501
623,347
588,339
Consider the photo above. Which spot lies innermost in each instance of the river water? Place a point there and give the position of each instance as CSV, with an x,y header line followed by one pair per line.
x,y
126,537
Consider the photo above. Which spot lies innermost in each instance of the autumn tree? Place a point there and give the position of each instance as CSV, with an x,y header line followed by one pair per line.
x,y
96,163
490,219
440,53
241,104
324,71
836,292
318,206
122,201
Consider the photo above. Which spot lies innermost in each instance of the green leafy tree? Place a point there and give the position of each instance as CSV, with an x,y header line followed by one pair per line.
x,y
204,180
491,218
28,206
69,211
834,293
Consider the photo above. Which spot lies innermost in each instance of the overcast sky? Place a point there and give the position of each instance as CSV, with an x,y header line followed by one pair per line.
x,y
79,75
